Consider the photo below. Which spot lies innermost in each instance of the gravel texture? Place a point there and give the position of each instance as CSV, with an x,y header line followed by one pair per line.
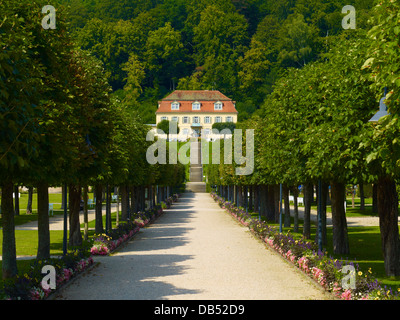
x,y
194,251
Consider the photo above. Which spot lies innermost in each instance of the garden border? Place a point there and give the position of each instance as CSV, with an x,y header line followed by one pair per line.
x,y
82,262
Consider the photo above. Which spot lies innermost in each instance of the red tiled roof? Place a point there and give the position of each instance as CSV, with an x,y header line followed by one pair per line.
x,y
205,97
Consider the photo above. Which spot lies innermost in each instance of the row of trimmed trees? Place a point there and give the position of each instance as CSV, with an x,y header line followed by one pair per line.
x,y
315,129
60,127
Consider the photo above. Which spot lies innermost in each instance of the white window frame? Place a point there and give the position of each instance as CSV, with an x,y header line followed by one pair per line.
x,y
185,131
175,105
229,119
176,119
196,119
207,119
196,105
218,105
164,118
185,119
218,119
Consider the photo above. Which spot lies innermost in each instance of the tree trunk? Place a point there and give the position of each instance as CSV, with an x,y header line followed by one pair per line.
x,y
108,209
308,197
16,200
287,205
375,198
362,196
270,204
324,197
277,198
153,196
141,196
325,192
134,201
339,223
245,197
296,209
117,215
256,205
124,203
251,195
75,236
262,200
240,196
388,223
99,209
9,263
85,212
43,252
30,197
63,191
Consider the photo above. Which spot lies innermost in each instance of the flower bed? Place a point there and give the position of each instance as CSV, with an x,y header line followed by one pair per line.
x,y
104,244
28,286
304,254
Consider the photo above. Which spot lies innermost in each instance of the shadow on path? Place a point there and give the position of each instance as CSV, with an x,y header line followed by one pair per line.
x,y
141,268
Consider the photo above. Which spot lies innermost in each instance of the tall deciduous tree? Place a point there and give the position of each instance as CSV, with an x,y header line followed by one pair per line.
x,y
382,140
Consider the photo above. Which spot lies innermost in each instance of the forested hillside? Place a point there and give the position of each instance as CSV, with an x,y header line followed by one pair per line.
x,y
240,47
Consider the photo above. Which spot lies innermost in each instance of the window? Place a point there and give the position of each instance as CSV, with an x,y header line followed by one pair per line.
x,y
207,119
218,119
218,105
176,119
185,120
164,118
185,131
229,119
196,119
196,105
175,105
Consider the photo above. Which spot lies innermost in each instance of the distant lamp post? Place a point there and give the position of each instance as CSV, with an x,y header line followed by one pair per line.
x,y
382,110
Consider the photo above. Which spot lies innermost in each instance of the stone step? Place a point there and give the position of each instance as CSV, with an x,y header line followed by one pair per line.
x,y
196,174
197,187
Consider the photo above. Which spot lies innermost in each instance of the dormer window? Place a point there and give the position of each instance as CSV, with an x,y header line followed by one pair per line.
x,y
175,105
218,105
196,105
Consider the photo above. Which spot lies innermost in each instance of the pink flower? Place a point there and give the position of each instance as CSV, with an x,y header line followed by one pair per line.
x,y
303,264
336,289
346,295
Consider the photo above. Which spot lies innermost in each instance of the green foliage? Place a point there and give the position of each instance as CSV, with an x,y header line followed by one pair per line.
x,y
224,125
382,63
240,47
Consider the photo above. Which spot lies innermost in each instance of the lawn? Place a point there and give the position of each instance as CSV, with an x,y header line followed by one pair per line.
x,y
55,198
27,244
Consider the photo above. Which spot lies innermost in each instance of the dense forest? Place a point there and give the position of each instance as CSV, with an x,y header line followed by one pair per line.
x,y
240,47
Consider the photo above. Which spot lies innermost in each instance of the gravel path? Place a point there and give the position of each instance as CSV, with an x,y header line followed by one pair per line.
x,y
56,222
366,221
194,251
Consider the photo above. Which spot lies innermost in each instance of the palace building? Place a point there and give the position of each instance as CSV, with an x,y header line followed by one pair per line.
x,y
195,111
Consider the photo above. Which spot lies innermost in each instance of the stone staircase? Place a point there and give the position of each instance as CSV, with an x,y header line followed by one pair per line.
x,y
196,183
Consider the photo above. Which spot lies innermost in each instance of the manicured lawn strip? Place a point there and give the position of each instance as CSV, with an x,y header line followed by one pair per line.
x,y
27,242
92,223
55,198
